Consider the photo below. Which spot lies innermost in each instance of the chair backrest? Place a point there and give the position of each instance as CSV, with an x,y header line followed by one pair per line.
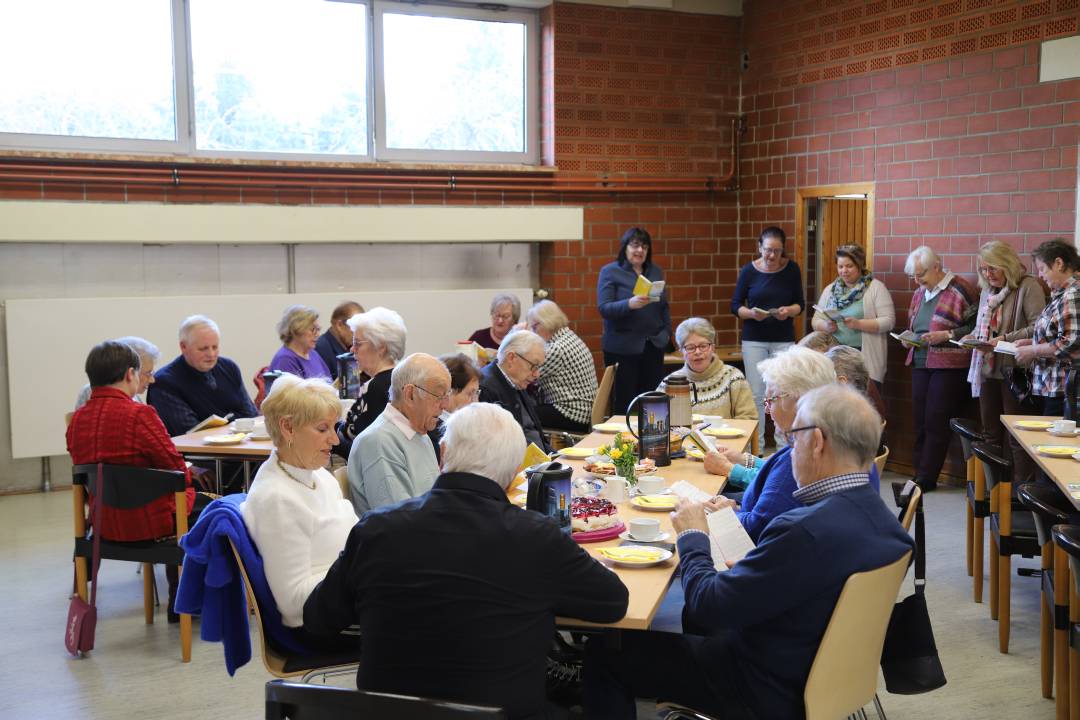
x,y
996,469
126,487
260,386
844,675
273,661
968,434
602,401
880,461
67,418
912,507
342,476
1048,505
293,701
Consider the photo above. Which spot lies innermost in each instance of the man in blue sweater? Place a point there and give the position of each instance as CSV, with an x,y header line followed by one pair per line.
x,y
765,616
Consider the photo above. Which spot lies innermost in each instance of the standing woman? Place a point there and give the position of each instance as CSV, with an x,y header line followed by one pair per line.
x,y
866,306
768,294
1054,345
942,309
636,329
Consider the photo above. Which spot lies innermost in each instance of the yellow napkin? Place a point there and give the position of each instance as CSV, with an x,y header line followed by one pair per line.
x,y
578,452
631,554
1034,424
666,501
724,432
1058,450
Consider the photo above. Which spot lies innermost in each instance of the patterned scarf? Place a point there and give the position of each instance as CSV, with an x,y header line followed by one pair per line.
x,y
843,296
987,326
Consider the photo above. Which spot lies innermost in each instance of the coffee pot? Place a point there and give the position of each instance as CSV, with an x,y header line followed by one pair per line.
x,y
549,491
653,426
683,394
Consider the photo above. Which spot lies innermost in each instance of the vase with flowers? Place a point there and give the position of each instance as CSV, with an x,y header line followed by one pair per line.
x,y
623,457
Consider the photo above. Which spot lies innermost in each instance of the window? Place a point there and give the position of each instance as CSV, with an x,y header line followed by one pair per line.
x,y
311,79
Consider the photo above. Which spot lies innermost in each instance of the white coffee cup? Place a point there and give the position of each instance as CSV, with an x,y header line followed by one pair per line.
x,y
616,489
644,529
651,484
1064,426
244,424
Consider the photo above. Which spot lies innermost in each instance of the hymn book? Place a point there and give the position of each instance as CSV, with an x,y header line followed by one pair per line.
x,y
648,289
212,422
728,539
909,338
831,313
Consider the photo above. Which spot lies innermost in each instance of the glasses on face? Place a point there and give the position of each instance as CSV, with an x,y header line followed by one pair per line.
x,y
502,316
791,434
917,277
440,398
987,270
770,400
691,349
357,342
315,329
474,394
771,250
635,245
533,366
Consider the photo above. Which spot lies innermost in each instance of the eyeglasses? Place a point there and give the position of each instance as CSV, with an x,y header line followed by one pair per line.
x,y
635,245
502,316
772,251
440,398
791,433
987,270
474,394
691,349
315,329
770,400
533,366
357,342
920,275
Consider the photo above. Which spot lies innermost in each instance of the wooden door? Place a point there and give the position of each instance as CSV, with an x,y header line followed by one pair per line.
x,y
843,223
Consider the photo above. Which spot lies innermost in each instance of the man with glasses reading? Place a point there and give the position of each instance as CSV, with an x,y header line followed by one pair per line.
x,y
393,459
504,382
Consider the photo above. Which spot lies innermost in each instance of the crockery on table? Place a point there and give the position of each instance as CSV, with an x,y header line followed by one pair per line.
x,y
1034,424
1058,451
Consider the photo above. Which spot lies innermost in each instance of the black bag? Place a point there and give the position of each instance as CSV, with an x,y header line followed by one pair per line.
x,y
909,660
1018,380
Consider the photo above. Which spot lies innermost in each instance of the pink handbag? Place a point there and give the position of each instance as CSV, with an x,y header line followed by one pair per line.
x,y
82,616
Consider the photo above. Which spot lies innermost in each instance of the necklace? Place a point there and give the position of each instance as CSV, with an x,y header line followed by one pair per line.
x,y
285,470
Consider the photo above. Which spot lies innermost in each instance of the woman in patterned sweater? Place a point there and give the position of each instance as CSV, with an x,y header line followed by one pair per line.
x,y
568,376
719,389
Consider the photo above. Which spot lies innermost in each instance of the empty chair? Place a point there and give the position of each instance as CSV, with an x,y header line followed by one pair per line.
x,y
1067,537
978,502
600,410
290,701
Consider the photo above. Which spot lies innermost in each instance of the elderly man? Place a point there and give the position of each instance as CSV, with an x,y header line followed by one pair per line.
x,y
456,591
393,459
521,354
199,383
763,619
339,336
148,356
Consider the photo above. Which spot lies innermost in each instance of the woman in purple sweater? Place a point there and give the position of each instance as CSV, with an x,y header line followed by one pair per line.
x,y
299,332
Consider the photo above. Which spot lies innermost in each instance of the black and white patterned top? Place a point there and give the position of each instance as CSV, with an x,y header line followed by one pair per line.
x,y
568,376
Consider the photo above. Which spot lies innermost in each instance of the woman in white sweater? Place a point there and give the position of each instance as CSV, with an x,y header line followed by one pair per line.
x,y
295,512
863,308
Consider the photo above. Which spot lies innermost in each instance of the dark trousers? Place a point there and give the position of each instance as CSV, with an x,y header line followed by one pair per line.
x,y
622,666
937,395
636,374
552,419
995,400
1053,406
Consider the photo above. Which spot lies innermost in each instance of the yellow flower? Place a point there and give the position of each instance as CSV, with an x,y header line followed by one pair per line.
x,y
615,454
603,450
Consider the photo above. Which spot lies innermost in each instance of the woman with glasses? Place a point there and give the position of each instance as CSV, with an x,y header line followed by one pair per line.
x,y
505,313
943,308
719,389
299,332
866,307
637,329
464,390
567,380
768,295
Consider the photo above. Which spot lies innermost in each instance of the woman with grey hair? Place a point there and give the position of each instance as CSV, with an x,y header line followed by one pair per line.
x,y
718,389
378,345
505,313
299,332
148,357
568,376
850,366
943,308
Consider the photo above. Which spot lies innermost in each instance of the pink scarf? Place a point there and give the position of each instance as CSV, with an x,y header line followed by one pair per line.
x,y
987,326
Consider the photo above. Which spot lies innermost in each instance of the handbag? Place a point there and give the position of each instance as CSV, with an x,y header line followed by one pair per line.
x,y
82,616
1018,380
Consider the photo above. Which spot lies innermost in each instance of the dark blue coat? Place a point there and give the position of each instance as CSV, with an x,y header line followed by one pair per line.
x,y
626,331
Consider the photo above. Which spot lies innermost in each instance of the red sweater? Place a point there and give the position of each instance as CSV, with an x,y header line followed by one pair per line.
x,y
111,428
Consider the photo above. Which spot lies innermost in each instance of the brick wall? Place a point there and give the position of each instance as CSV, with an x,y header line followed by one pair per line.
x,y
963,143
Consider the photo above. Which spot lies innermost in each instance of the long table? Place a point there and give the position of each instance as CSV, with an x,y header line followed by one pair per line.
x,y
193,447
648,586
1065,472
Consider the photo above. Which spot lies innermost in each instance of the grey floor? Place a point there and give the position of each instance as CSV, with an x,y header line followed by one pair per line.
x,y
135,671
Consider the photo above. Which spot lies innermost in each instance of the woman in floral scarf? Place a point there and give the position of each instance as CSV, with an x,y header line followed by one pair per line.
x,y
865,309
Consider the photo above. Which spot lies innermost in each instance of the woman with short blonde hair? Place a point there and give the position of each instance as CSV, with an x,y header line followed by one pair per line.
x,y
299,332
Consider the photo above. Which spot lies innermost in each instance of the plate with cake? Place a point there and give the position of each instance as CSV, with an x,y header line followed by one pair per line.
x,y
593,519
230,439
635,555
601,466
577,453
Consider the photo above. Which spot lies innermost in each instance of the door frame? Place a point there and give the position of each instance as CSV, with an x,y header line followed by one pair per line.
x,y
827,191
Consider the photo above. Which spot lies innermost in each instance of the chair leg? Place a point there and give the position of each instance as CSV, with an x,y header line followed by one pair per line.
x,y
877,706
1046,650
185,629
977,551
1062,666
1004,586
148,592
81,578
995,554
969,526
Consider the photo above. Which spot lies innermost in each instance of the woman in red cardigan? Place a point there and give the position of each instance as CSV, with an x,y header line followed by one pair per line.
x,y
943,308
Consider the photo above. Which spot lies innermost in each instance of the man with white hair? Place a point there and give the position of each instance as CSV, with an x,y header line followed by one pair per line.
x,y
393,459
763,619
503,382
200,382
456,591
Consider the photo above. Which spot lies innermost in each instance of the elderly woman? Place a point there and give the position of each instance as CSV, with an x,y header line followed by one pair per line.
x,y
818,341
295,512
637,328
770,483
378,345
865,306
943,308
505,313
850,367
568,376
299,332
148,356
1054,343
768,295
719,389
464,390
1010,302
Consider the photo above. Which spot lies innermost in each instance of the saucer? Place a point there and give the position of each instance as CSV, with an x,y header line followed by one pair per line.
x,y
1057,433
661,537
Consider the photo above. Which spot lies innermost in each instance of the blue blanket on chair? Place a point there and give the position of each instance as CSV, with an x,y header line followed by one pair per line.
x,y
211,584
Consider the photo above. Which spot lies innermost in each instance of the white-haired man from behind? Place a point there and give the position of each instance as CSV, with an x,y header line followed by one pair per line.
x,y
393,459
199,382
521,354
455,592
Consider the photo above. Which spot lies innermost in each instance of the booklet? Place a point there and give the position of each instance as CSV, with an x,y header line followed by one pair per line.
x,y
686,491
212,422
775,312
831,313
533,456
971,343
728,538
701,440
909,338
1006,348
647,288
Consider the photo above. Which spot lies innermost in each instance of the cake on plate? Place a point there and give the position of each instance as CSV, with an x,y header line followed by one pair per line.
x,y
588,514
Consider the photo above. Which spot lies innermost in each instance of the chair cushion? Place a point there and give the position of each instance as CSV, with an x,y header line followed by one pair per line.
x,y
1023,540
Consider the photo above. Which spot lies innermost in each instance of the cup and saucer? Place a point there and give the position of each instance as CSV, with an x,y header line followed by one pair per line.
x,y
659,537
1063,428
644,530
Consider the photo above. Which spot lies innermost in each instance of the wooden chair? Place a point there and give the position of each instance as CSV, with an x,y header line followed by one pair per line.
x,y
126,488
1012,532
281,665
342,476
880,461
843,677
600,410
290,701
1067,539
1050,507
978,502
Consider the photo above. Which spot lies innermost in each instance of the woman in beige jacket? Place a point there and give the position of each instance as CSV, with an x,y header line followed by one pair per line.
x,y
862,307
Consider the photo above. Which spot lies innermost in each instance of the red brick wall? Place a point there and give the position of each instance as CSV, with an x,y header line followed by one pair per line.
x,y
964,145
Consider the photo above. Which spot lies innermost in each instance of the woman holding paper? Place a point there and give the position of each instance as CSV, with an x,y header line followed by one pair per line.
x,y
942,309
768,295
858,310
637,319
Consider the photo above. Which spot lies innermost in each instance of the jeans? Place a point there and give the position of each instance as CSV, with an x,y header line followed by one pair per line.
x,y
753,352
